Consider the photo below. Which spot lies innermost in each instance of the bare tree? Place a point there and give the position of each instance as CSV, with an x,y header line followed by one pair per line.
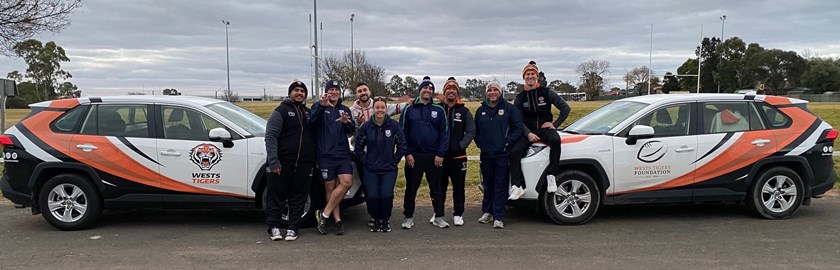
x,y
638,79
352,68
21,19
230,96
592,79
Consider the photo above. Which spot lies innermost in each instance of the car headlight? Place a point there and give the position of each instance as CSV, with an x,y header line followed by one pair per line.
x,y
534,149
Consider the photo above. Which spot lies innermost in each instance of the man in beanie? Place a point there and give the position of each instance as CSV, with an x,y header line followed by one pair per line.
x,y
427,135
289,163
498,127
332,126
535,103
461,133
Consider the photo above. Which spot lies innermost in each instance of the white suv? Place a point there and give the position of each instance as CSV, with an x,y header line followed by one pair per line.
x,y
769,152
72,158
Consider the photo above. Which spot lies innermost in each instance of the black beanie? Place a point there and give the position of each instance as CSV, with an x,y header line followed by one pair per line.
x,y
297,83
426,81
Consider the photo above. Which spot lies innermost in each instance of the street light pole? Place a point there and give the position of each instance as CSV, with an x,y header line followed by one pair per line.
x,y
315,46
352,51
720,56
227,56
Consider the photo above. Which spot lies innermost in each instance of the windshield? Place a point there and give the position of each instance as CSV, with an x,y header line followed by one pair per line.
x,y
606,118
241,117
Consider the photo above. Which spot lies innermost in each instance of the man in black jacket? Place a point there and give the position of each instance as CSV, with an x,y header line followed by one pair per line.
x,y
290,163
535,104
461,133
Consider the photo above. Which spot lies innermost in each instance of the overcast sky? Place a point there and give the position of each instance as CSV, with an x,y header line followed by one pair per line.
x,y
118,47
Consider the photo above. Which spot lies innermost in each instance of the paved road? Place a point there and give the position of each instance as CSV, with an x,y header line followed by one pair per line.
x,y
684,237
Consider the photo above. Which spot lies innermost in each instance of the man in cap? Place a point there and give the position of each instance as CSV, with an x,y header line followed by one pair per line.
x,y
498,126
535,103
461,133
289,164
332,127
427,135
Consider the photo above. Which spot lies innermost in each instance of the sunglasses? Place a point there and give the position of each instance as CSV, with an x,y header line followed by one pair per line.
x,y
383,99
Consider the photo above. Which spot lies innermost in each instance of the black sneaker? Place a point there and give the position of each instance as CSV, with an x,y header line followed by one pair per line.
x,y
322,222
386,226
339,228
376,226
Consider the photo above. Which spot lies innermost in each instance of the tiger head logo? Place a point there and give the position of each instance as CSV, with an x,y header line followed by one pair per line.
x,y
205,156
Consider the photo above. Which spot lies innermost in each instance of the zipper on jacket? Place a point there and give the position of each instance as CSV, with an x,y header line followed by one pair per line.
x,y
301,134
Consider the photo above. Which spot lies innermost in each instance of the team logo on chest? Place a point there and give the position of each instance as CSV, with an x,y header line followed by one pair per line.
x,y
388,133
291,114
501,112
434,114
526,104
457,117
542,101
205,156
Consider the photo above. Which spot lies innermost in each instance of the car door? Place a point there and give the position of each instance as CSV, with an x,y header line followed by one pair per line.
x,y
116,140
732,139
657,169
193,165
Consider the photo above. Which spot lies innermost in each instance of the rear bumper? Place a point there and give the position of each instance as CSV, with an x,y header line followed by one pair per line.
x,y
14,196
821,186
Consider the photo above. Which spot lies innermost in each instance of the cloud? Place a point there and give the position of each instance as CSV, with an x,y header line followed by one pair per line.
x,y
117,47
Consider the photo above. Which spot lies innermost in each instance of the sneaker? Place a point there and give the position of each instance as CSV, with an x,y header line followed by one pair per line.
x,y
485,218
458,220
385,226
377,226
322,222
481,187
339,228
291,235
275,234
516,192
441,223
498,224
408,223
551,184
371,222
432,220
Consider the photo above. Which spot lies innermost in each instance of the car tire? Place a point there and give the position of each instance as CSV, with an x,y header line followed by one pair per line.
x,y
777,193
70,202
576,200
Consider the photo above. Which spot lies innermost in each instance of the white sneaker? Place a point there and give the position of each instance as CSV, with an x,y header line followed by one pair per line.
x,y
432,220
458,220
498,224
481,187
291,235
551,184
408,223
276,235
516,192
441,223
485,218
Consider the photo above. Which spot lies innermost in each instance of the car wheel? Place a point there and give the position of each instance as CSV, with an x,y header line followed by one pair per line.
x,y
70,202
777,194
576,200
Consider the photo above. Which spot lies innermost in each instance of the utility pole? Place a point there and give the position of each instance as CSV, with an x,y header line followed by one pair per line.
x,y
315,85
227,59
720,56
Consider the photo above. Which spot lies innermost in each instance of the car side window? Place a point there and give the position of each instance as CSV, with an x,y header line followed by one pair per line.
x,y
755,119
723,117
672,120
776,118
70,119
117,120
186,124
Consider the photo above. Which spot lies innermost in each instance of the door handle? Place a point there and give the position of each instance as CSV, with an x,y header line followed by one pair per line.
x,y
684,149
86,147
170,153
760,142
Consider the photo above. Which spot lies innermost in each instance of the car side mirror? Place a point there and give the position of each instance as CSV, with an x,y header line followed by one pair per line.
x,y
221,135
639,132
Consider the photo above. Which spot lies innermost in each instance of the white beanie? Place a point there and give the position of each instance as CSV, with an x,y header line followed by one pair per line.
x,y
493,83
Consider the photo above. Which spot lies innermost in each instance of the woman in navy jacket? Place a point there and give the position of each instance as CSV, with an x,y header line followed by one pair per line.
x,y
379,145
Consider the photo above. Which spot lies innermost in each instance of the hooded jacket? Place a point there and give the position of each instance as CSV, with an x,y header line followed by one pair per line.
x,y
366,113
497,128
535,105
288,136
461,129
380,147
331,136
426,129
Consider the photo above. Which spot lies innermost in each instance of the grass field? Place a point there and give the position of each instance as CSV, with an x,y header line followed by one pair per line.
x,y
827,111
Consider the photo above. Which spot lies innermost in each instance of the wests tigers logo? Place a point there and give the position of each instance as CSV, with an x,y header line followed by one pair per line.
x,y
205,156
